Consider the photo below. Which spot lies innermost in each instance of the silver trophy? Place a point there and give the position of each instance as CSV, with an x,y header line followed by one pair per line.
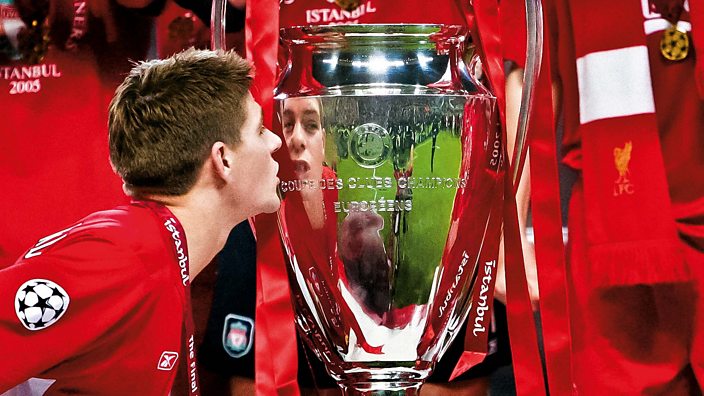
x,y
392,188
394,165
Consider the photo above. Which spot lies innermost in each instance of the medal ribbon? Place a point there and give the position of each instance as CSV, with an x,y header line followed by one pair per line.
x,y
174,232
274,313
547,223
528,371
524,345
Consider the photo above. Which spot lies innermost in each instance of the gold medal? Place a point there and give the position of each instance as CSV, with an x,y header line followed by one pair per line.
x,y
674,44
348,5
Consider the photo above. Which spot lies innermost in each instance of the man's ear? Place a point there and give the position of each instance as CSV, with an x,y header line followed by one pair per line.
x,y
222,160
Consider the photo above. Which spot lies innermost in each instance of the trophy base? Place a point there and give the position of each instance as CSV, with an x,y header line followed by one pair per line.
x,y
382,382
381,389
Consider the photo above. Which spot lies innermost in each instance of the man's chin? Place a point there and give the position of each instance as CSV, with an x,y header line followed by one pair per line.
x,y
272,206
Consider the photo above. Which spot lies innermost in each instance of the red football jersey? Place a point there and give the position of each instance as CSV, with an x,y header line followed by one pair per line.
x,y
96,308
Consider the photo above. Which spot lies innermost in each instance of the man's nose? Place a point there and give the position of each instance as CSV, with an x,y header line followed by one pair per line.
x,y
275,141
297,142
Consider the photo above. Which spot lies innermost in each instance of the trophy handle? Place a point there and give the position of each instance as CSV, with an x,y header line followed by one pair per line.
x,y
217,25
534,57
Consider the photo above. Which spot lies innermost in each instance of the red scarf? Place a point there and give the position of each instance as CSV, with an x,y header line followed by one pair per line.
x,y
630,235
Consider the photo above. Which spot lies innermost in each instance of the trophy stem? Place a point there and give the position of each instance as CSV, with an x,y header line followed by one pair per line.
x,y
377,389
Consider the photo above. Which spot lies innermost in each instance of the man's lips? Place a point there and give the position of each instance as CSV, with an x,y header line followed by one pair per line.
x,y
301,166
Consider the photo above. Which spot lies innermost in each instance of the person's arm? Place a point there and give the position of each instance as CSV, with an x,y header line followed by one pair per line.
x,y
514,90
23,333
55,305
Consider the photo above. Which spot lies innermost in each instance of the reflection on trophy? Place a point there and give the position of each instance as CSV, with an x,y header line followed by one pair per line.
x,y
394,169
366,265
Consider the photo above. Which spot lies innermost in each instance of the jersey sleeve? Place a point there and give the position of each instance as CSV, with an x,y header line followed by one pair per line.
x,y
56,304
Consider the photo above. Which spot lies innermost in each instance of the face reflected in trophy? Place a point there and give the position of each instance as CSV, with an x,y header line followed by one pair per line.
x,y
305,136
301,122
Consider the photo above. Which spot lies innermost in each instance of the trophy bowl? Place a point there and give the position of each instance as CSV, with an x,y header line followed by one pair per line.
x,y
392,169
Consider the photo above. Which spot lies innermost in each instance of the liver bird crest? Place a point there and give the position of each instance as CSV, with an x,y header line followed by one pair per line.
x,y
622,156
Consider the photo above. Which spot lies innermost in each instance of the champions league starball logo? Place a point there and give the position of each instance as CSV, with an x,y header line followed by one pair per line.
x,y
39,303
370,145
